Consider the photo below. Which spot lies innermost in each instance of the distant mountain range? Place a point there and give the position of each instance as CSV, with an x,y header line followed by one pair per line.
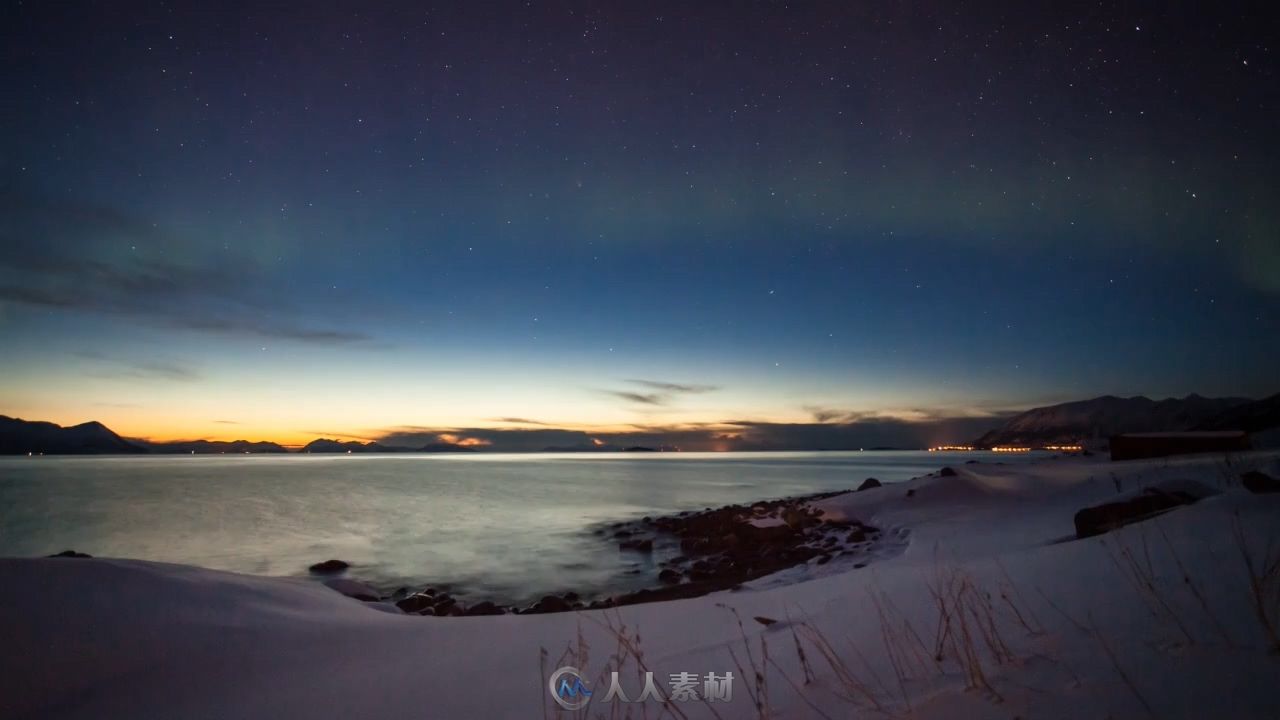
x,y
1253,417
1056,424
1109,415
20,437
324,445
201,447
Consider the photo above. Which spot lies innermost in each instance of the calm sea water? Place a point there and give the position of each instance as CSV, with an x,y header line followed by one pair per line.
x,y
504,527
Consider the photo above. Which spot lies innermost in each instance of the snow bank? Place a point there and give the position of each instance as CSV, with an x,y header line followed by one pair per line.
x,y
1069,631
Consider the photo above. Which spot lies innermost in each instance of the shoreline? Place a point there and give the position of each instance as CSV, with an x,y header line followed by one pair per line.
x,y
985,550
709,550
719,549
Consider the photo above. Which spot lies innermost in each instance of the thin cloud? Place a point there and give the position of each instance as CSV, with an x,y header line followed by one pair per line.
x,y
53,260
661,392
640,398
822,415
675,388
112,367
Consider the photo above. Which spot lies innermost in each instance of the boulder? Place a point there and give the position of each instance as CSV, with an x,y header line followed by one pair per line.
x,y
669,576
549,604
353,589
637,544
694,545
868,484
795,518
766,533
484,608
1147,503
328,567
947,472
71,554
416,603
1253,481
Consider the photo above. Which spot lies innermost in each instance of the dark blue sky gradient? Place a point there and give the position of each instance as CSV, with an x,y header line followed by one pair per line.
x,y
514,210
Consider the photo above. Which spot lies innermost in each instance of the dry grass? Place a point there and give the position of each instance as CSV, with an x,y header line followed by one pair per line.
x,y
1120,671
1159,591
1137,566
969,629
972,640
1262,566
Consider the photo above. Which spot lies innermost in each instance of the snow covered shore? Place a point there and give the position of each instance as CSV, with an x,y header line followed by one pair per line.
x,y
992,609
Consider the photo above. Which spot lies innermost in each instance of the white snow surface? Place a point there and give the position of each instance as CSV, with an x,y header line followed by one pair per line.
x,y
110,638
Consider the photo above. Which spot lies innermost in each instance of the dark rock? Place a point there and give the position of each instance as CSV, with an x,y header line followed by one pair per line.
x,y
484,608
970,462
549,604
71,554
700,570
795,518
823,559
1256,482
416,603
766,621
947,472
669,576
857,535
639,545
328,567
443,602
911,492
694,545
728,542
1149,503
767,533
571,596
868,484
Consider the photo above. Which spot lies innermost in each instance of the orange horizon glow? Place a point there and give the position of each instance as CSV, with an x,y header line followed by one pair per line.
x,y
134,426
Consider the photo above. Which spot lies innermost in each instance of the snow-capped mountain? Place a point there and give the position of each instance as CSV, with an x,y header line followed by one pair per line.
x,y
1106,416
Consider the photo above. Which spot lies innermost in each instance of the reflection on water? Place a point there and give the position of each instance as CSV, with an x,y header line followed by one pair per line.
x,y
508,527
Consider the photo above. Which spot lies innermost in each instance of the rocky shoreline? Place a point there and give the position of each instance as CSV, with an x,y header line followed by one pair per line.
x,y
718,549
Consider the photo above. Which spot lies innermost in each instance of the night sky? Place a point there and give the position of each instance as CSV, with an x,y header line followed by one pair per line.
x,y
690,221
